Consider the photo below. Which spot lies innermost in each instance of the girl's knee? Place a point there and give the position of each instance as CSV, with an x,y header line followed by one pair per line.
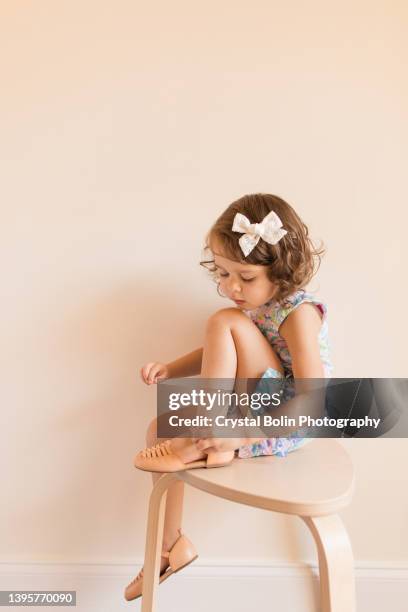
x,y
227,316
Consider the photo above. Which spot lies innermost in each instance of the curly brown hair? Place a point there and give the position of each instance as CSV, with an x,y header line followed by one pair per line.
x,y
291,263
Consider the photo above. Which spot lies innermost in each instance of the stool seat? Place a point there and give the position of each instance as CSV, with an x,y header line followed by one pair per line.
x,y
314,480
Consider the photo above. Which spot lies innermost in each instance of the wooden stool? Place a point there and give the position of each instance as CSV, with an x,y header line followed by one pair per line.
x,y
313,482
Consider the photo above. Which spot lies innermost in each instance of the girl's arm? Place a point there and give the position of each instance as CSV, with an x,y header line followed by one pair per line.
x,y
188,365
300,331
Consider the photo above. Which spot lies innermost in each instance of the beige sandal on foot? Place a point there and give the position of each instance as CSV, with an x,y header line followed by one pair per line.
x,y
161,458
181,554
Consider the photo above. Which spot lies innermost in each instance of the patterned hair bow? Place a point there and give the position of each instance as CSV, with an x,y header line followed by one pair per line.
x,y
270,230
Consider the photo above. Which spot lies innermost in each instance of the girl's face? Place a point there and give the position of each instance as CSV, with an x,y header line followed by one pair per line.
x,y
245,284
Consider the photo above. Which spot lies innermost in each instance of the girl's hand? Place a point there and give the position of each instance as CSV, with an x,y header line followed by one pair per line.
x,y
154,371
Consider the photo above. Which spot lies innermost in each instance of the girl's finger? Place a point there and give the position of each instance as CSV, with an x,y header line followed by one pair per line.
x,y
153,373
146,371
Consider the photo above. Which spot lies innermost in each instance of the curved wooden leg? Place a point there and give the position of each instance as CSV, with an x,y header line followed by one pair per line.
x,y
336,564
154,538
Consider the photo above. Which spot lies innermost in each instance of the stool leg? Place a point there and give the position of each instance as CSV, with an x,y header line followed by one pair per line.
x,y
154,539
336,564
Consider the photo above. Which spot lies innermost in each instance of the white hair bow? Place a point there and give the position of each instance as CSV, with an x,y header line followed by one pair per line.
x,y
270,230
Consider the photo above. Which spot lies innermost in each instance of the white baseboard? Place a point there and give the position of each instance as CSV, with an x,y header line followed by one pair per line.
x,y
221,586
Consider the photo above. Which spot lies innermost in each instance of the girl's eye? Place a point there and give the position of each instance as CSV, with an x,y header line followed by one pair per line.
x,y
246,280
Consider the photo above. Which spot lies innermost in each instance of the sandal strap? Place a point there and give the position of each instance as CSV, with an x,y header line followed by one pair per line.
x,y
140,574
138,577
158,450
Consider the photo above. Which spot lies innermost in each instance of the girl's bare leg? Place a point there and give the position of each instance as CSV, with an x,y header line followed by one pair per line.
x,y
174,501
233,348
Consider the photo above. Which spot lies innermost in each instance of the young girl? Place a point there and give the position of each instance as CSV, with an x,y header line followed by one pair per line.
x,y
261,258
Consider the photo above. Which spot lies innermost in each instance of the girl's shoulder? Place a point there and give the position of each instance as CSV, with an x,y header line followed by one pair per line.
x,y
275,313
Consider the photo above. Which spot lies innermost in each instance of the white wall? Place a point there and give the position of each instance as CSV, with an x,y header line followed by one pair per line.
x,y
126,129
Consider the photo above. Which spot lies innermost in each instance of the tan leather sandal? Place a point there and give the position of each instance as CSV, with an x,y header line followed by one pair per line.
x,y
161,458
181,554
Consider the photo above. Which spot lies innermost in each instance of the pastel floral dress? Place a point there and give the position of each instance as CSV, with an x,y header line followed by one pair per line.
x,y
268,319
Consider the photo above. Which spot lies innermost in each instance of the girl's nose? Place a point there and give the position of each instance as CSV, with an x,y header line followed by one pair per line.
x,y
234,286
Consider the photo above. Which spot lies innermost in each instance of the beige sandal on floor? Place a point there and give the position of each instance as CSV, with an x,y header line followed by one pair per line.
x,y
161,458
181,554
